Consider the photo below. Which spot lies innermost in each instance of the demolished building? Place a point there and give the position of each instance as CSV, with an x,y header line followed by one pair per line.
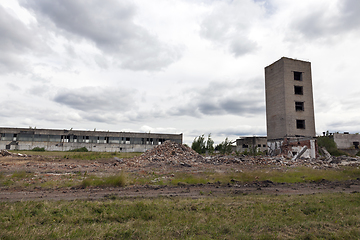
x,y
251,144
290,109
97,141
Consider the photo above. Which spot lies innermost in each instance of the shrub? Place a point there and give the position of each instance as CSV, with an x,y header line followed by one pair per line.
x,y
38,149
330,145
83,149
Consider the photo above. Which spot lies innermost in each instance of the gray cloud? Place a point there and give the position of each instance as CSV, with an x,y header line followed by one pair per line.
x,y
229,24
318,23
110,26
97,99
15,40
352,126
242,98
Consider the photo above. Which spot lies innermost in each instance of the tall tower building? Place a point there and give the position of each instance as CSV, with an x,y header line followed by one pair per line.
x,y
289,100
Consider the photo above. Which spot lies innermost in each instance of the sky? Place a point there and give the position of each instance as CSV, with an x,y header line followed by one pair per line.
x,y
172,66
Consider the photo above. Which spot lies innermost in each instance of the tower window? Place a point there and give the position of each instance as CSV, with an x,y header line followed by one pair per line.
x,y
298,76
300,124
299,106
298,90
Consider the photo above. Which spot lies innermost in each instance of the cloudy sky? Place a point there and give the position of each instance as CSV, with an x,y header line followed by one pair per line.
x,y
172,66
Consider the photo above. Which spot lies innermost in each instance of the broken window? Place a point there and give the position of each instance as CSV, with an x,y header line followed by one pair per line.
x,y
259,145
264,145
298,76
356,144
298,90
299,106
245,146
300,124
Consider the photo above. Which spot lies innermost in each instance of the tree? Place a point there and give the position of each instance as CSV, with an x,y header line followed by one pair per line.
x,y
198,145
224,147
210,144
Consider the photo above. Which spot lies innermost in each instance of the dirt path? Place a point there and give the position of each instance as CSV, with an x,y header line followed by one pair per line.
x,y
191,191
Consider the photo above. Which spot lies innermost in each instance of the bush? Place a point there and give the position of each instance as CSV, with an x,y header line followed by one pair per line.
x,y
200,146
224,147
83,149
38,149
330,145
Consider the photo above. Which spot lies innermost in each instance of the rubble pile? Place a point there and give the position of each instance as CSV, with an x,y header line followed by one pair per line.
x,y
280,160
5,153
169,153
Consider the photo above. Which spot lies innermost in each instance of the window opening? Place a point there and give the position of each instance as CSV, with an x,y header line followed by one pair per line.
x,y
245,146
356,144
298,76
300,124
298,90
299,106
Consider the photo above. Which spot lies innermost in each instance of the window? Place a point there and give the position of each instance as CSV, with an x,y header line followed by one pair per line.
x,y
356,145
299,106
298,90
298,76
300,124
245,146
259,145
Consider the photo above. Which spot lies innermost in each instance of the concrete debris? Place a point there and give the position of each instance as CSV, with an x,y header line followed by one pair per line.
x,y
327,154
299,154
179,155
120,160
168,153
6,153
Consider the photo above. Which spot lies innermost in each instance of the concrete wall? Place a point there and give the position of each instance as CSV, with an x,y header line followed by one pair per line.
x,y
248,144
280,99
346,141
49,146
290,147
97,141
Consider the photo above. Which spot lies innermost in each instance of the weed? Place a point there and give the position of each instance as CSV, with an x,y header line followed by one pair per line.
x,y
320,216
110,181
83,149
38,149
21,175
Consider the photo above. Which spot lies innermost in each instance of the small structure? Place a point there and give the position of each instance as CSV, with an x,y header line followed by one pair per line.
x,y
97,141
289,108
251,144
347,142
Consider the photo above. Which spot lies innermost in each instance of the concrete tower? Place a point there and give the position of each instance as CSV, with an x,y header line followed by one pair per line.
x,y
289,100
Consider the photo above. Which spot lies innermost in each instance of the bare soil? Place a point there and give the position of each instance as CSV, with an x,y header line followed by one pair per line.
x,y
52,167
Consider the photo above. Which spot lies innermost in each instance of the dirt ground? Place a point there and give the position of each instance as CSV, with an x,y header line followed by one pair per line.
x,y
53,168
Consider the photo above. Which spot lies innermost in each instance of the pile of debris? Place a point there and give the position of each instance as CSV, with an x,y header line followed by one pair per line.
x,y
5,153
169,153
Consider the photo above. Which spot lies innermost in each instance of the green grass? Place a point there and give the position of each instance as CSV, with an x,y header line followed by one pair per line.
x,y
320,216
118,180
290,175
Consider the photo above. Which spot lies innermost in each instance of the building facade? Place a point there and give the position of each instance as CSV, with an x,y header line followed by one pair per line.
x,y
97,141
289,104
251,144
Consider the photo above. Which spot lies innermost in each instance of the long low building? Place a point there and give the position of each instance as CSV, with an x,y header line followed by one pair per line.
x,y
97,141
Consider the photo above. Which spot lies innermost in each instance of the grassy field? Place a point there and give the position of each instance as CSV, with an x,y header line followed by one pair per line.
x,y
82,155
320,216
30,181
